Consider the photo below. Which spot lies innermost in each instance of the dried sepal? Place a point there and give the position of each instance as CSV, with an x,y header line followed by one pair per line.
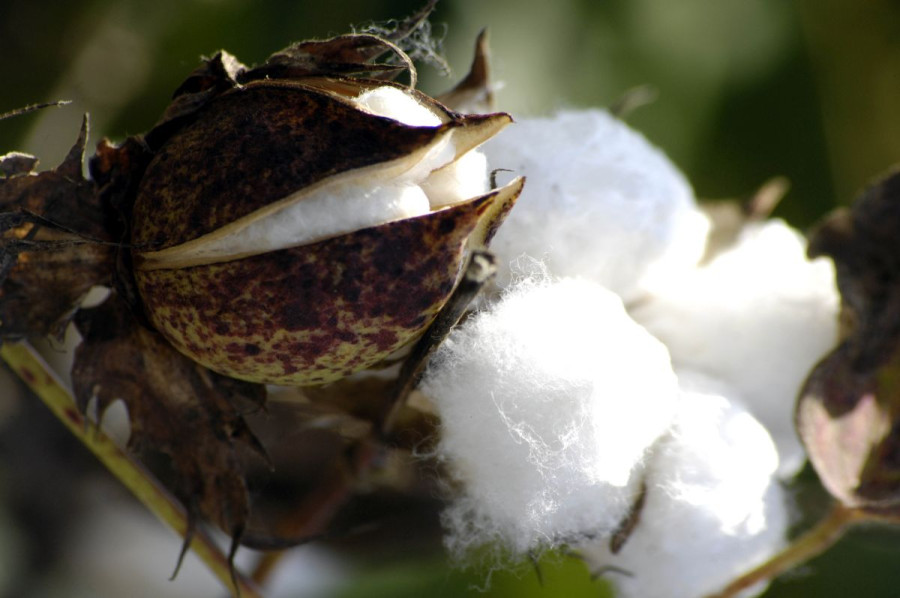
x,y
54,244
728,218
848,414
474,94
176,408
16,164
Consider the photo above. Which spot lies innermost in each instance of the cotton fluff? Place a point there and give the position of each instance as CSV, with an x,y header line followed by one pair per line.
x,y
600,202
758,317
397,104
712,511
548,401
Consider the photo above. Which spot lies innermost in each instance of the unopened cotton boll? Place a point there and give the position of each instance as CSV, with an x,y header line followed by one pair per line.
x,y
758,317
601,202
548,401
712,511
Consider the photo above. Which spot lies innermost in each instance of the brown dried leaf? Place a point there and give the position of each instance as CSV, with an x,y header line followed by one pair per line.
x,y
54,244
848,414
177,408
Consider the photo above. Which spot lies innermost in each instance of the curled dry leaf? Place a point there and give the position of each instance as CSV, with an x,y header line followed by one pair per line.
x,y
848,414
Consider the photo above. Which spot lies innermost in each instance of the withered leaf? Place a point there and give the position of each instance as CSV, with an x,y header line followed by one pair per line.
x,y
177,408
848,414
54,245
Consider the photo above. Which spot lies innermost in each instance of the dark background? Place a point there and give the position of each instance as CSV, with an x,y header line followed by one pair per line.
x,y
747,90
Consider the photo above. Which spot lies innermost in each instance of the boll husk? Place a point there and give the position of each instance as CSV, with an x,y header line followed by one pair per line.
x,y
601,202
548,401
758,316
296,231
713,508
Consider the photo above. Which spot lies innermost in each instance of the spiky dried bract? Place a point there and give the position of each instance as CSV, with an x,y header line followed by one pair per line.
x,y
848,414
53,247
176,407
758,316
601,202
548,401
712,508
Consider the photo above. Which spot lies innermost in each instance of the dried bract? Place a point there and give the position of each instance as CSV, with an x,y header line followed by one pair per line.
x,y
54,243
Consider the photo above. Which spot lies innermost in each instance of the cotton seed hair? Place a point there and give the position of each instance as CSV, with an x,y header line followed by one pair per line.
x,y
548,401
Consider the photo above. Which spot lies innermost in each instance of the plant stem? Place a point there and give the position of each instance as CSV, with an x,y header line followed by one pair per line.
x,y
29,366
811,544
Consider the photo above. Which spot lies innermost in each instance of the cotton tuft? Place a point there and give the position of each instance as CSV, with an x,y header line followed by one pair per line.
x,y
757,317
601,202
713,509
548,401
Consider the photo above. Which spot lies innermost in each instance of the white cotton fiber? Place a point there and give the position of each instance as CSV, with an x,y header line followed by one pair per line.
x,y
460,180
600,201
548,402
757,317
399,105
713,509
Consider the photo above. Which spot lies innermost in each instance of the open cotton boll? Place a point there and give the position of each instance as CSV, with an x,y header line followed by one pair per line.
x,y
712,511
548,402
601,202
758,317
431,178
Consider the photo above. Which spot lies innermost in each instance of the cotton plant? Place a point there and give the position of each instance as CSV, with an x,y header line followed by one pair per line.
x,y
624,392
685,382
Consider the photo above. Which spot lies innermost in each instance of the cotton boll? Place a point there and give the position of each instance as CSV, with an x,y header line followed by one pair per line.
x,y
712,511
758,317
548,402
600,202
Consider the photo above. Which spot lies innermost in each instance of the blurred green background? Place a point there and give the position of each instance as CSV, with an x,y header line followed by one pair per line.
x,y
747,89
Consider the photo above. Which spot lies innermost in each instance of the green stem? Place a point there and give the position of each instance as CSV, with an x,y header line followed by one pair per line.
x,y
811,544
29,366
